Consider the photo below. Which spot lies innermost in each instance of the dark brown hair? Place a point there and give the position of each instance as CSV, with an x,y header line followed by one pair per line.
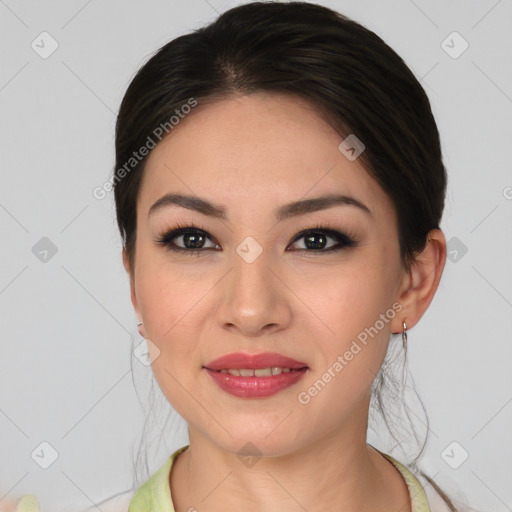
x,y
357,83
352,77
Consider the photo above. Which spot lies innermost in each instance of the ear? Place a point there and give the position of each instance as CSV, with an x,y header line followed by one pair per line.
x,y
131,274
418,285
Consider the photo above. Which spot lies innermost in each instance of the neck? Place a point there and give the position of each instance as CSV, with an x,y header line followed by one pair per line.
x,y
328,475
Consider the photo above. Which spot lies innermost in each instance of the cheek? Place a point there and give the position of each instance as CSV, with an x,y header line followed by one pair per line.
x,y
169,303
169,306
166,291
351,343
348,295
354,306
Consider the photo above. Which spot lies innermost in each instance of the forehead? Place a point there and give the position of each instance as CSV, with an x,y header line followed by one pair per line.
x,y
255,152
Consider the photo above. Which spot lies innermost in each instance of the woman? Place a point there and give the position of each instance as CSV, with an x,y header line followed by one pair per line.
x,y
279,188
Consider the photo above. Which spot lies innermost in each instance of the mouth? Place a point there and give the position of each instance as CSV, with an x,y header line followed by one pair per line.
x,y
257,372
255,375
261,361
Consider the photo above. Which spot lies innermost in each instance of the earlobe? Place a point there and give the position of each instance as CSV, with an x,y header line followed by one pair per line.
x,y
421,284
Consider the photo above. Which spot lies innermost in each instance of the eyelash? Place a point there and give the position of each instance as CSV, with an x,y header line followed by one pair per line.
x,y
346,240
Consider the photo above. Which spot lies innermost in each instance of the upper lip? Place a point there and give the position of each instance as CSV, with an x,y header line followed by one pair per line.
x,y
253,361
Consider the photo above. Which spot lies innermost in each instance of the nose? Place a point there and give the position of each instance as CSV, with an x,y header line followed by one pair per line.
x,y
254,298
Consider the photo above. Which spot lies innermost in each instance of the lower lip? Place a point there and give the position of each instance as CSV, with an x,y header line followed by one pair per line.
x,y
255,387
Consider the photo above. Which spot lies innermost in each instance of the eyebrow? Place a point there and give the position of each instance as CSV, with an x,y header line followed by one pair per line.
x,y
294,209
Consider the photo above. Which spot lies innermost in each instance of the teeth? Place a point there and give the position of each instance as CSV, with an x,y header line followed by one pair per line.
x,y
260,372
263,372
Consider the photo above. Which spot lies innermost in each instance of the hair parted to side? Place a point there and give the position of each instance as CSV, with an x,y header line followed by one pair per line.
x,y
356,82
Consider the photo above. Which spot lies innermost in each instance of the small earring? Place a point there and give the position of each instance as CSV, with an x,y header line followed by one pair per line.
x,y
404,335
139,323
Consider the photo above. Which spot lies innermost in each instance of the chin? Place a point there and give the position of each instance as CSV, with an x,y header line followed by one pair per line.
x,y
253,443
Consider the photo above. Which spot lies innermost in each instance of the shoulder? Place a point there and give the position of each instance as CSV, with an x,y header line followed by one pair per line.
x,y
117,503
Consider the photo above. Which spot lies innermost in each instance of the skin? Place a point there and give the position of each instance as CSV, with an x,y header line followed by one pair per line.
x,y
252,154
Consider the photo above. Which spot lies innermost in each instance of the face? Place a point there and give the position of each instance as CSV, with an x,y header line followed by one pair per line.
x,y
318,285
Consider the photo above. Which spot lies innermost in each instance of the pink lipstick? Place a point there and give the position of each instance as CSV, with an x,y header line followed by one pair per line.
x,y
255,375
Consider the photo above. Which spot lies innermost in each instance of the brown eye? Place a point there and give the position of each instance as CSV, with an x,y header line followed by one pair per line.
x,y
317,240
189,239
185,239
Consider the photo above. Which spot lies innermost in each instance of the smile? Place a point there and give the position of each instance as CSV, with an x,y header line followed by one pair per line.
x,y
255,383
259,372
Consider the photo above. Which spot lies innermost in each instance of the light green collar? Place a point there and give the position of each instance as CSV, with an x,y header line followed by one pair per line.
x,y
419,502
155,494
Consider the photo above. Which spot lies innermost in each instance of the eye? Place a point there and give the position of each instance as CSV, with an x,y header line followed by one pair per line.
x,y
193,239
316,240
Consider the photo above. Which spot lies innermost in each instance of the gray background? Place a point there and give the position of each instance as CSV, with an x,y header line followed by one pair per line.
x,y
67,323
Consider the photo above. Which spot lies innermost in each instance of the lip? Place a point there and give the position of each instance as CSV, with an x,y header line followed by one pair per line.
x,y
254,387
253,361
